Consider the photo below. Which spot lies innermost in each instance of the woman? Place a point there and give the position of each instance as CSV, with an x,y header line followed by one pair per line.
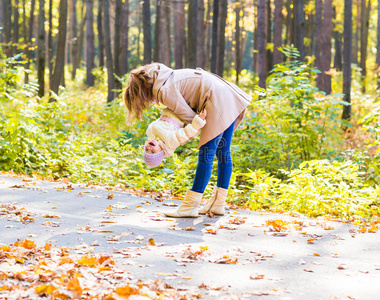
x,y
187,92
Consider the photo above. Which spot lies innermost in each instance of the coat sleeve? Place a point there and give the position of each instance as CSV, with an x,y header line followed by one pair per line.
x,y
179,137
173,100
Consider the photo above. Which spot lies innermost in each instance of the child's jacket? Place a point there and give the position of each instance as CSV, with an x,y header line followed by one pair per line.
x,y
168,130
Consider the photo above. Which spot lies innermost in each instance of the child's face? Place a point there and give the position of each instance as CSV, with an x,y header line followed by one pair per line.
x,y
152,146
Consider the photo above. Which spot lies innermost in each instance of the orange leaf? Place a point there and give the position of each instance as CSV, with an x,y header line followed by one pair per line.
x,y
362,229
110,196
127,290
311,241
27,244
373,229
44,289
151,242
88,261
257,276
316,254
74,285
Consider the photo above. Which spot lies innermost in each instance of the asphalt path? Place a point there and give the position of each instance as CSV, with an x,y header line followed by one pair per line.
x,y
236,256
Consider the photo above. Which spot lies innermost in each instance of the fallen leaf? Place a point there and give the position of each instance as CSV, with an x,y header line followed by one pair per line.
x,y
256,276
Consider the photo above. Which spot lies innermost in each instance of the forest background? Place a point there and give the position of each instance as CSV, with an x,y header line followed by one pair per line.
x,y
309,141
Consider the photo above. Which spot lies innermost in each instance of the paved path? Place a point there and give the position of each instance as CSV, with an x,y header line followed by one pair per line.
x,y
237,255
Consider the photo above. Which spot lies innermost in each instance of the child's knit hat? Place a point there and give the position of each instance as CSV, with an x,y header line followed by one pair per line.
x,y
154,159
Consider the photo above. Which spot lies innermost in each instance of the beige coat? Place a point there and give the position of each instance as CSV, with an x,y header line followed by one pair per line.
x,y
169,136
188,91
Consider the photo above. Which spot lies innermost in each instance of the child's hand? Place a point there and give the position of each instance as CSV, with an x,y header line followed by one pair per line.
x,y
203,114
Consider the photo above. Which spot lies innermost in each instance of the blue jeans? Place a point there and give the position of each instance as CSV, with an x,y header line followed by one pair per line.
x,y
220,146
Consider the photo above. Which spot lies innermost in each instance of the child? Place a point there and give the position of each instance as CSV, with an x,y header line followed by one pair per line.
x,y
167,133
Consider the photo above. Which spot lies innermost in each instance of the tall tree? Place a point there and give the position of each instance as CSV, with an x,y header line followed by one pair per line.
x,y
50,41
338,65
81,34
326,46
60,54
289,23
2,20
201,60
347,56
255,38
238,54
269,35
179,33
29,39
208,31
357,30
221,37
214,44
277,32
16,26
299,27
192,34
73,36
7,22
107,43
41,55
262,42
90,47
378,45
365,9
124,37
318,41
100,33
116,43
147,32
162,33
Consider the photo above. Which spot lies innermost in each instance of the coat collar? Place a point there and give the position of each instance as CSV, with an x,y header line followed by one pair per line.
x,y
160,73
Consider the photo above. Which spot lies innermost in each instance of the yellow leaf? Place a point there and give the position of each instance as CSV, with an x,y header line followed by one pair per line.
x,y
44,289
88,261
127,290
373,229
27,244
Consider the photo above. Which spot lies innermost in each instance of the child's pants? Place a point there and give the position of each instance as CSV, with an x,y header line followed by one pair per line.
x,y
220,146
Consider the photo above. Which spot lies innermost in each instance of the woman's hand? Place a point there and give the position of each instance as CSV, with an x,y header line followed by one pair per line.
x,y
203,114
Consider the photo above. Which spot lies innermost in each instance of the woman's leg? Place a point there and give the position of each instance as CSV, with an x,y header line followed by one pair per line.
x,y
204,167
223,153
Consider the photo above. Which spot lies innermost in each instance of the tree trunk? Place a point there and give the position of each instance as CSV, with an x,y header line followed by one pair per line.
x,y
2,20
179,33
60,55
221,37
29,40
255,59
347,55
269,36
90,47
124,38
192,34
299,28
326,46
116,44
138,25
338,64
109,58
16,27
214,44
238,56
277,32
41,54
81,34
208,31
7,31
147,33
100,34
50,42
74,37
162,33
364,41
289,23
201,35
378,46
318,42
262,43
357,30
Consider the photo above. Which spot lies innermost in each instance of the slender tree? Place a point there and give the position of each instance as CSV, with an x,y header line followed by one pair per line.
x,y
208,32
16,17
192,34
201,60
179,33
73,36
326,46
318,42
50,41
378,45
107,43
147,32
214,35
262,42
7,22
162,33
269,35
277,32
347,56
338,65
100,33
116,43
41,55
357,30
29,40
299,27
365,9
124,37
2,20
81,34
289,23
238,56
60,54
90,47
221,37
255,59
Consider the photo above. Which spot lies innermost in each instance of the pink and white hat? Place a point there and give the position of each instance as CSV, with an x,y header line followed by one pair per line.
x,y
154,159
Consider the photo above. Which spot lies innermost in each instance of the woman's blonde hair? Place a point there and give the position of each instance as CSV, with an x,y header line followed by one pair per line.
x,y
139,93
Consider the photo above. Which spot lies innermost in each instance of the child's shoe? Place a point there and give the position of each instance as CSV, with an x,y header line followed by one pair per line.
x,y
189,206
215,205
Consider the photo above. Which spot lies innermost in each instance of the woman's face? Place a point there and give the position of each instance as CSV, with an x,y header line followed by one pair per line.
x,y
152,146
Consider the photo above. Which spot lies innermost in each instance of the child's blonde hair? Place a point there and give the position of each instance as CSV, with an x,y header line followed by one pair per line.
x,y
139,93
